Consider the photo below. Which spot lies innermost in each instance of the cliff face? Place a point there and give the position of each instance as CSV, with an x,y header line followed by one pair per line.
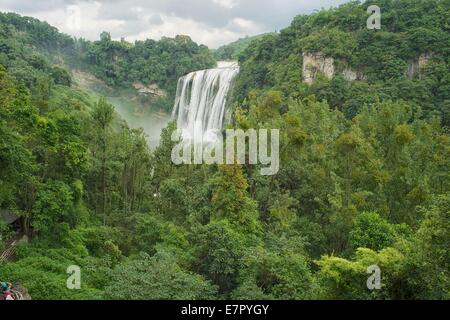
x,y
350,75
151,89
313,63
418,65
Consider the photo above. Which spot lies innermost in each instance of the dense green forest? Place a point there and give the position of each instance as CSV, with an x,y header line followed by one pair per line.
x,y
364,166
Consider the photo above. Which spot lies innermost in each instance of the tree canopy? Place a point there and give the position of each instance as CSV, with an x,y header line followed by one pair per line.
x,y
363,180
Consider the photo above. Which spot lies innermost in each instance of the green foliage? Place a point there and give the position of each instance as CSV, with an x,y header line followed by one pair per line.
x,y
61,76
153,233
219,249
373,232
428,263
53,207
39,55
230,199
343,279
157,278
338,173
5,234
161,62
364,165
383,59
43,272
232,50
273,275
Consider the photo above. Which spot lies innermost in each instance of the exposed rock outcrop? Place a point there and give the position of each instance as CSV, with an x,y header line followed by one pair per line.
x,y
315,63
418,65
152,89
88,80
350,75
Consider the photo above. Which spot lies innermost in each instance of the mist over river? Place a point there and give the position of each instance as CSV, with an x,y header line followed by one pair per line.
x,y
153,122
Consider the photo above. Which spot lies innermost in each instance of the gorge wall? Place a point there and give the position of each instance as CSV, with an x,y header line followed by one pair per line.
x,y
317,63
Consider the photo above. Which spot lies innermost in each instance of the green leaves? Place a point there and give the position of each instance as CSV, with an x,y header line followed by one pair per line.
x,y
120,64
371,231
103,114
61,76
53,206
156,278
363,174
275,275
42,271
219,249
343,279
413,40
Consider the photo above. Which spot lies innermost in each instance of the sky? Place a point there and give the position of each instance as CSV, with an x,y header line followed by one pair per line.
x,y
209,22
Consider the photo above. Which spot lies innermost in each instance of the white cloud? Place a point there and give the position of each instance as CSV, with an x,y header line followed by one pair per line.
x,y
211,22
226,3
199,32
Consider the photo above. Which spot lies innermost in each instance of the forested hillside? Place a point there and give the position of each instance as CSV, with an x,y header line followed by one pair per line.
x,y
413,32
364,166
119,64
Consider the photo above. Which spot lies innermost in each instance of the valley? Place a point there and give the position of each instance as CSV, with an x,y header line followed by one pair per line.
x,y
128,105
356,206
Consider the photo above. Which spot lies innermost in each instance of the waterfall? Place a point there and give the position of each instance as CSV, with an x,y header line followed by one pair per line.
x,y
201,99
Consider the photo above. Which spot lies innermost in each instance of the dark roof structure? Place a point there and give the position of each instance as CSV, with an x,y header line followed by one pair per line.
x,y
7,216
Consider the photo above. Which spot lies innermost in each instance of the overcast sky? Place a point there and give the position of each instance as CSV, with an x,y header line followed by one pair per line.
x,y
211,22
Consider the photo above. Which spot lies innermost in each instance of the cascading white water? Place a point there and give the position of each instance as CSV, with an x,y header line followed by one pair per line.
x,y
201,99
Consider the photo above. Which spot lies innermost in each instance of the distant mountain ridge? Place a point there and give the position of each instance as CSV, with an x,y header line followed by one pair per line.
x,y
232,50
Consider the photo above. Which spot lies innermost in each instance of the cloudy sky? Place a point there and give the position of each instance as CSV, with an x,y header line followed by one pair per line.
x,y
211,22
